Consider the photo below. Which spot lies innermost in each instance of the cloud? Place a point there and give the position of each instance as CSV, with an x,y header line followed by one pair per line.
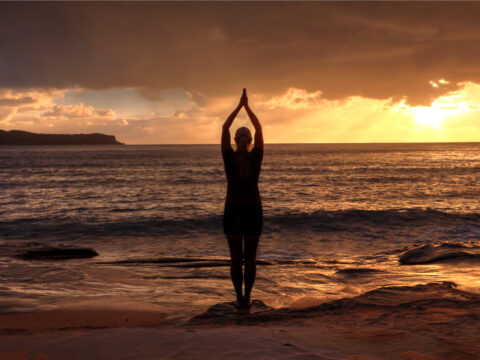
x,y
70,111
17,101
187,124
295,99
297,115
197,98
451,117
77,111
374,50
105,112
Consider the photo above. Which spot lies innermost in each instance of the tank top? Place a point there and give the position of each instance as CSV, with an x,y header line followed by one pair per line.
x,y
243,192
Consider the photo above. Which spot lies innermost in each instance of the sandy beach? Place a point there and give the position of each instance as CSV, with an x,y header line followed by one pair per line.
x,y
424,322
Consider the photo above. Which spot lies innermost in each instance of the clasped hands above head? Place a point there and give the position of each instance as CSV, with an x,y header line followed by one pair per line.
x,y
243,99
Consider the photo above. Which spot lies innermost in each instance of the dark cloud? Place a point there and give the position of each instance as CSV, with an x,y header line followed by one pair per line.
x,y
375,49
105,112
70,111
17,101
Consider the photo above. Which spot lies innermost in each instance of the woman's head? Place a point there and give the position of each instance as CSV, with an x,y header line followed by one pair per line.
x,y
243,138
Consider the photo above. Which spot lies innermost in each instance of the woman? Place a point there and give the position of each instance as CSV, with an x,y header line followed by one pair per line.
x,y
243,218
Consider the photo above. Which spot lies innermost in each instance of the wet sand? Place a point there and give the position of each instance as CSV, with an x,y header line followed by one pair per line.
x,y
424,322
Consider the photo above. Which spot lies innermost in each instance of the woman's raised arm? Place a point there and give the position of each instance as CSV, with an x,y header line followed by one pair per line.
x,y
256,125
226,141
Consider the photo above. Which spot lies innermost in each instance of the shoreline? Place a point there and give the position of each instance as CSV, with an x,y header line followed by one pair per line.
x,y
429,321
116,312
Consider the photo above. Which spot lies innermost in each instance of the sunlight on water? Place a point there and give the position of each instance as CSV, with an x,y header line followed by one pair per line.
x,y
337,220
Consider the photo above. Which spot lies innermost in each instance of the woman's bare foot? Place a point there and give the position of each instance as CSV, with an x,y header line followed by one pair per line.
x,y
246,304
238,303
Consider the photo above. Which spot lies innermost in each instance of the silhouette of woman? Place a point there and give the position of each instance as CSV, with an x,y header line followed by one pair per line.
x,y
243,217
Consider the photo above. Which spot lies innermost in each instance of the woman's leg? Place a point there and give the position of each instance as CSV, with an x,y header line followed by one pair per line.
x,y
236,254
251,243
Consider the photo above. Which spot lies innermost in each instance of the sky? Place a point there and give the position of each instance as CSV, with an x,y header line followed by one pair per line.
x,y
172,72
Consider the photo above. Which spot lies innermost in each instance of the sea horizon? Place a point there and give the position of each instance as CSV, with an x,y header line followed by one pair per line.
x,y
329,143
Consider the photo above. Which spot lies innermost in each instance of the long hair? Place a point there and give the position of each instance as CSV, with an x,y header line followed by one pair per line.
x,y
243,138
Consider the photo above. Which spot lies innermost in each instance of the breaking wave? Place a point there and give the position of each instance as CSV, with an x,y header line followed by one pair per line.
x,y
319,221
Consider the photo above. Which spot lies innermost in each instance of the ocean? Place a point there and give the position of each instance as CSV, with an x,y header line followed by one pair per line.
x,y
340,219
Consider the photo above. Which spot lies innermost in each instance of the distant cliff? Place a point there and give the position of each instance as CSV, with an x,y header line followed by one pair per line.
x,y
17,137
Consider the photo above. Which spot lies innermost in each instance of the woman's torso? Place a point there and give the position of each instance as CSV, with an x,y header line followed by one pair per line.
x,y
243,191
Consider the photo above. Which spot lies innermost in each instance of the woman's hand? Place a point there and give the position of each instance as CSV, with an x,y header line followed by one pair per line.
x,y
243,98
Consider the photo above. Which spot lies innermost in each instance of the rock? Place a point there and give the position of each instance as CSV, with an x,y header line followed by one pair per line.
x,y
430,254
52,253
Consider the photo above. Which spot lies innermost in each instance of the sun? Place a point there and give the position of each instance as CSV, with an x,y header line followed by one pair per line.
x,y
448,106
442,108
431,116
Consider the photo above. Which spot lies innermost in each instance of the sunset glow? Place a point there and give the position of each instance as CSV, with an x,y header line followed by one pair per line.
x,y
297,115
442,108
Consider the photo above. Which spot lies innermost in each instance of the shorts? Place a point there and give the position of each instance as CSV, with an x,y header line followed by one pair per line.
x,y
243,220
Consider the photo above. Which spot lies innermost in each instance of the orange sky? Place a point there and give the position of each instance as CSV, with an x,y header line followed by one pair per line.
x,y
159,72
